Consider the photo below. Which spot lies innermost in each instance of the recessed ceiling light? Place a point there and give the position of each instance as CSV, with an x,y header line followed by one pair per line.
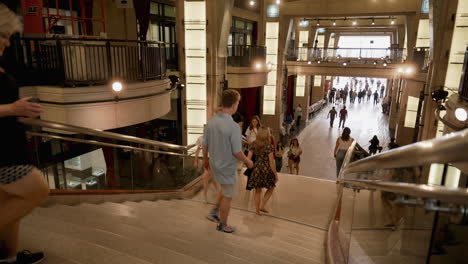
x,y
354,22
278,2
252,3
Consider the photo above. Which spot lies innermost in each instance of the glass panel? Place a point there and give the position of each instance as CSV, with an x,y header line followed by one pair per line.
x,y
169,11
386,231
249,26
154,8
81,166
240,24
346,220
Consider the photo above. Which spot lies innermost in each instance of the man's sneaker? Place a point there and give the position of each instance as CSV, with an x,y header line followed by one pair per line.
x,y
213,218
26,257
225,228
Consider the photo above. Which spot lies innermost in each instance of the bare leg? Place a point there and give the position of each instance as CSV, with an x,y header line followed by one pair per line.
x,y
9,237
206,179
224,209
266,197
23,196
18,200
291,164
258,195
297,168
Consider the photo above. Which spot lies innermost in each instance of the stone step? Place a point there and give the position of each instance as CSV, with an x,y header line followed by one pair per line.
x,y
164,236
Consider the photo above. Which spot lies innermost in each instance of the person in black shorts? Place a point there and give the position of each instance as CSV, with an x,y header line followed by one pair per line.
x,y
22,186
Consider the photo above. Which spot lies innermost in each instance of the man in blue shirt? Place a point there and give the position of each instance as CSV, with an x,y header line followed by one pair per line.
x,y
223,142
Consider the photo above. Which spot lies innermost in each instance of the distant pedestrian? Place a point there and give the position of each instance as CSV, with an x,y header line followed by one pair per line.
x,y
251,132
332,114
279,152
369,93
382,90
376,97
374,145
343,117
341,147
222,143
294,156
264,170
392,144
288,120
206,175
298,114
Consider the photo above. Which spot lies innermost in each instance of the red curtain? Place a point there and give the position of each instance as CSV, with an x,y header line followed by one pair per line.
x,y
249,102
142,12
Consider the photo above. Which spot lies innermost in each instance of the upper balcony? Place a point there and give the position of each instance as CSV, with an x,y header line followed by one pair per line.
x,y
71,78
73,62
246,66
363,62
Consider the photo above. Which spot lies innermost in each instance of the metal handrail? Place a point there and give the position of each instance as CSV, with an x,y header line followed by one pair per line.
x,y
441,193
103,144
450,148
104,134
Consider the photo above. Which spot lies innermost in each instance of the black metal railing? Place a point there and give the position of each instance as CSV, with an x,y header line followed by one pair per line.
x,y
351,54
71,62
246,56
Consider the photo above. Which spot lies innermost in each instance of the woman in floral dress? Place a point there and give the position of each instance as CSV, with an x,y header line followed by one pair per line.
x,y
264,171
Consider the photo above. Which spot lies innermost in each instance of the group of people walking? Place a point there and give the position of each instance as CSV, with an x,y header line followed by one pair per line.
x,y
222,149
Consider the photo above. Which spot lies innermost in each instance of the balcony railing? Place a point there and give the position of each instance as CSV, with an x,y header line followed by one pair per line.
x,y
73,62
246,56
352,54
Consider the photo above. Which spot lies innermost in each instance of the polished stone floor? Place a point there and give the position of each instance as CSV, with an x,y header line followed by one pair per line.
x,y
318,140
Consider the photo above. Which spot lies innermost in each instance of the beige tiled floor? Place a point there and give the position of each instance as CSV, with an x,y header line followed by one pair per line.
x,y
303,199
318,139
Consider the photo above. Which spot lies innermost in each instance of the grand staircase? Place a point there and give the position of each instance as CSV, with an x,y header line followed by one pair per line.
x,y
165,231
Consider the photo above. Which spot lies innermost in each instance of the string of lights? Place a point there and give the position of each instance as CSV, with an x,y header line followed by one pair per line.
x,y
355,20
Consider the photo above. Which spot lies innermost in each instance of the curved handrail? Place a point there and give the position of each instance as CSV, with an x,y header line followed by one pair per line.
x,y
104,134
103,144
441,193
449,148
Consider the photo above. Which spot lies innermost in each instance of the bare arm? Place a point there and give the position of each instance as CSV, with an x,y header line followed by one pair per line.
x,y
240,156
21,108
195,160
250,154
336,147
206,163
271,160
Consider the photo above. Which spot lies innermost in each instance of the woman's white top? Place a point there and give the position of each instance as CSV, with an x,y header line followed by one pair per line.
x,y
295,150
251,135
344,145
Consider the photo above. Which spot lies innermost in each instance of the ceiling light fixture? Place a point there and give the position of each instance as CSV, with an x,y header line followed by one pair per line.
x,y
334,22
345,64
373,22
318,23
309,62
354,22
375,62
252,3
319,62
393,22
278,2
385,64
